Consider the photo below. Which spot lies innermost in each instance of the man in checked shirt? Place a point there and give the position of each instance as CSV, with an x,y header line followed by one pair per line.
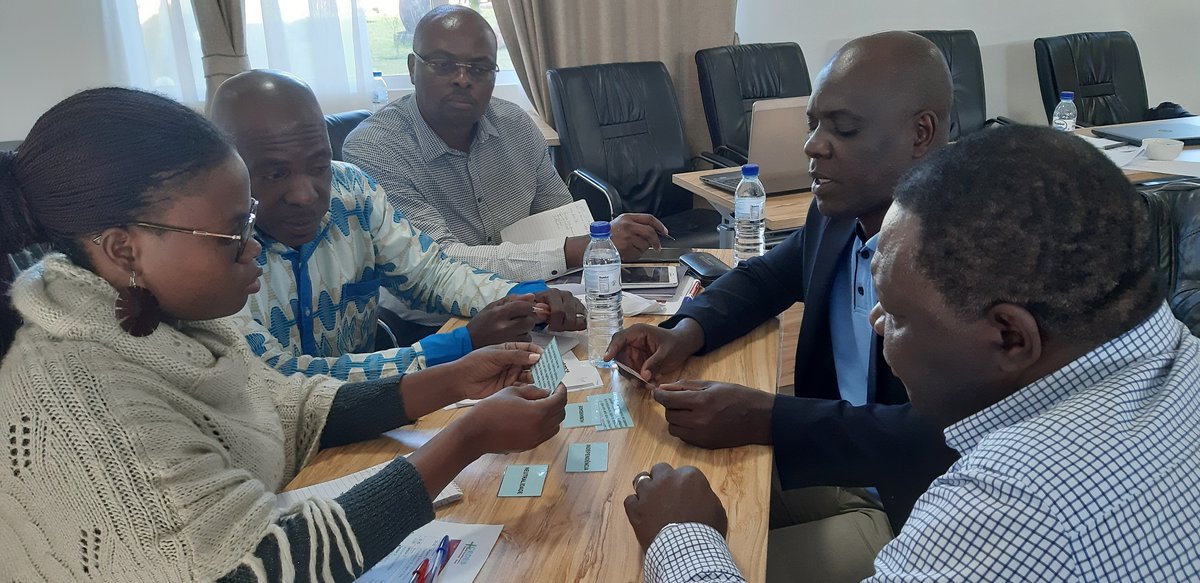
x,y
463,165
1020,305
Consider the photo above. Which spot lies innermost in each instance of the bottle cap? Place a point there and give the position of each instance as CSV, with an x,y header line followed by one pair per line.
x,y
600,229
1067,96
377,73
750,170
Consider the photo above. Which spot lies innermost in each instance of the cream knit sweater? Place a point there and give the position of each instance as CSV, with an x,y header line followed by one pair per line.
x,y
153,458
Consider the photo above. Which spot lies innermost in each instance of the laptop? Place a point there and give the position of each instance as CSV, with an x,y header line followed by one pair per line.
x,y
778,130
1187,133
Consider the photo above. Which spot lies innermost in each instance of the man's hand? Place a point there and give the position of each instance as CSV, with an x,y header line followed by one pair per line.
x,y
487,370
560,310
655,352
508,319
665,495
715,415
634,233
516,419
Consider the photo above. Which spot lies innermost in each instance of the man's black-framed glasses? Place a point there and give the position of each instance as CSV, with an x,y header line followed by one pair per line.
x,y
245,231
479,70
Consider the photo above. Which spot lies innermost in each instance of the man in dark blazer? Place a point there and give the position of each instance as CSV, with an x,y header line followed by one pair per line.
x,y
879,106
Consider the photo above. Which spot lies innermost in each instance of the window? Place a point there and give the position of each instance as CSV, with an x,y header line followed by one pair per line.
x,y
390,24
332,44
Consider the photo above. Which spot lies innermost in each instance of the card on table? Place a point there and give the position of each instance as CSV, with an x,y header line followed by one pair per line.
x,y
524,481
587,457
581,415
549,370
612,411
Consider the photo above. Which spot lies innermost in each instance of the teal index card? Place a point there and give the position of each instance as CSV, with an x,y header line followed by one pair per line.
x,y
587,457
524,481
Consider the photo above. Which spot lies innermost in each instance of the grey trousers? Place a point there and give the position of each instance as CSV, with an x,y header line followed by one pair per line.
x,y
825,534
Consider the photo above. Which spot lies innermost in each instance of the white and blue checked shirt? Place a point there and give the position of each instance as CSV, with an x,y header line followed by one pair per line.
x,y
315,313
464,199
1087,474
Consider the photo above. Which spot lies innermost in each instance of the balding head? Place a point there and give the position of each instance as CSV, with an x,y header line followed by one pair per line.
x,y
910,66
280,133
877,108
456,20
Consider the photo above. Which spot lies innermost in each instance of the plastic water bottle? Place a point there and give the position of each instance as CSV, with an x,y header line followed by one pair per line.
x,y
1065,113
379,91
748,201
602,282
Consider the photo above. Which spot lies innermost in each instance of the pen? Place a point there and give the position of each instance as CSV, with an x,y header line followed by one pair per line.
x,y
692,292
439,558
669,237
418,576
1114,146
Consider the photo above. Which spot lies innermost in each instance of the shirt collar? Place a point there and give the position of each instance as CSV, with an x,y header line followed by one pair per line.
x,y
430,144
1156,334
270,245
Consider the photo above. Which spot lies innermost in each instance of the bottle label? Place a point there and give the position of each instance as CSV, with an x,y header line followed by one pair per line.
x,y
602,279
748,209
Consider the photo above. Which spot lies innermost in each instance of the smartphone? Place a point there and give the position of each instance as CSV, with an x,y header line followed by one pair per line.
x,y
644,276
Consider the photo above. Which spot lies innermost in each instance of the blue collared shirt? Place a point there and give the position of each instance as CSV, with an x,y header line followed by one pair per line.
x,y
316,311
851,299
1087,474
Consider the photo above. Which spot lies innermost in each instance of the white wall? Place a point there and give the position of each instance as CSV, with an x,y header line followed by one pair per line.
x,y
1165,31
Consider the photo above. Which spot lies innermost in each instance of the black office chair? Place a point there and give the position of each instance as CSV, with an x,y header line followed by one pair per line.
x,y
1104,70
1175,231
622,139
339,125
733,77
968,112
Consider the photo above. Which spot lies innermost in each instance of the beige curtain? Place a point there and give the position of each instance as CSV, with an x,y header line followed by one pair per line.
x,y
222,25
548,34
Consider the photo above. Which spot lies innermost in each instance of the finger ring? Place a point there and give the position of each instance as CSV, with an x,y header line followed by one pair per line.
x,y
638,479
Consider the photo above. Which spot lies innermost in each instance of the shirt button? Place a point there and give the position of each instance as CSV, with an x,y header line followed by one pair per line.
x,y
865,253
489,239
480,199
553,272
861,291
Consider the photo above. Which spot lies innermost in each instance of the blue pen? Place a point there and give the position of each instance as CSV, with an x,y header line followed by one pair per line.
x,y
440,558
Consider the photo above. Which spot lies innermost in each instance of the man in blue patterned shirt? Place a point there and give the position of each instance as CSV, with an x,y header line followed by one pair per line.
x,y
1020,305
331,240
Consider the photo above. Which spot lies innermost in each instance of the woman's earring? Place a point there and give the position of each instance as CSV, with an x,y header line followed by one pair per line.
x,y
137,309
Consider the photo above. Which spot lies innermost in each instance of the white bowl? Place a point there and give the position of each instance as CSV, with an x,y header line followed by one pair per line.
x,y
1162,148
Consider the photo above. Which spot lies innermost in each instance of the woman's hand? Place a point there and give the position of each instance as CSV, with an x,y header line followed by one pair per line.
x,y
487,370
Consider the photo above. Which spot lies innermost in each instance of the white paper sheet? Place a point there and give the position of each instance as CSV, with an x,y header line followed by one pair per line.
x,y
565,221
475,544
1187,164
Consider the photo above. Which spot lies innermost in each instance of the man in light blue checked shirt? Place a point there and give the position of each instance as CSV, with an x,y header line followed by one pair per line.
x,y
331,240
1020,304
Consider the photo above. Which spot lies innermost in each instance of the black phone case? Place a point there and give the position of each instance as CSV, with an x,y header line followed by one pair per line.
x,y
703,266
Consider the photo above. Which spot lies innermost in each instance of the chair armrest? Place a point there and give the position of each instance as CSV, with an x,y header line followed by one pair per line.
x,y
602,199
717,161
735,153
1000,120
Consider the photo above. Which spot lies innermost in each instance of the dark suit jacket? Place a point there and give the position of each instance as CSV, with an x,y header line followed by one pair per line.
x,y
819,439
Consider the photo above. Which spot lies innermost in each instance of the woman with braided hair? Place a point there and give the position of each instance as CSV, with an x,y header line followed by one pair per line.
x,y
145,439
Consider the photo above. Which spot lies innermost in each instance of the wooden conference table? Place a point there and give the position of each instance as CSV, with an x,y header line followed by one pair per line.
x,y
577,530
1137,176
783,212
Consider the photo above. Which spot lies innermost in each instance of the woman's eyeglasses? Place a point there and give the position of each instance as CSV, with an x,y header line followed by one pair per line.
x,y
246,231
478,71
